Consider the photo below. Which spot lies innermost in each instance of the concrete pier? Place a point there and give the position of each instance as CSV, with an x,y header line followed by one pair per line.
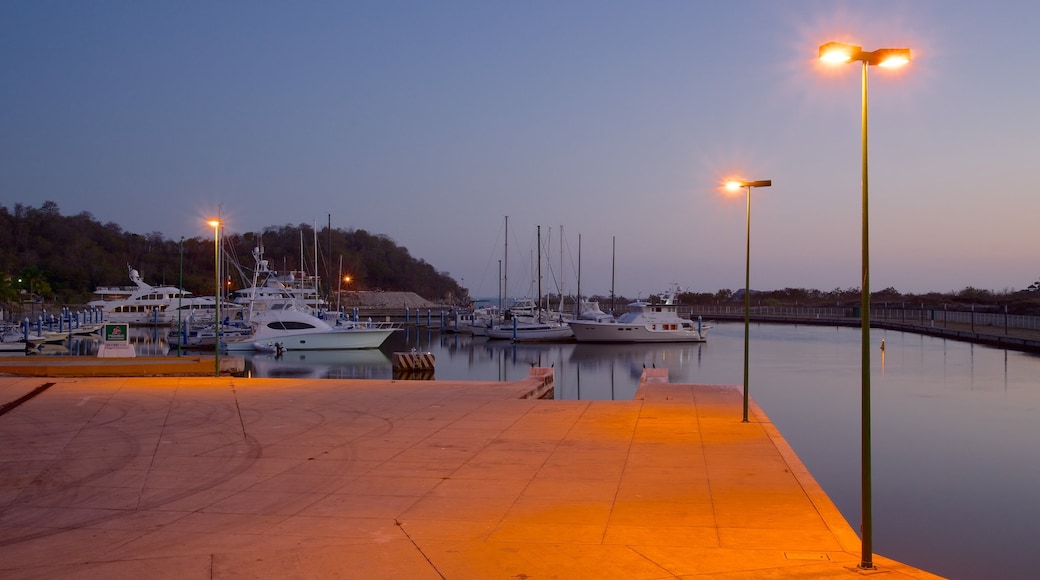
x,y
225,478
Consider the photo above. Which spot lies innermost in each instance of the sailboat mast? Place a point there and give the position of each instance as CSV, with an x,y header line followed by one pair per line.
x,y
577,301
317,292
505,278
561,268
539,273
613,248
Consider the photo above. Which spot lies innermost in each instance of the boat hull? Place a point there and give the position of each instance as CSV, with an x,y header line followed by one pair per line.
x,y
617,333
532,333
337,340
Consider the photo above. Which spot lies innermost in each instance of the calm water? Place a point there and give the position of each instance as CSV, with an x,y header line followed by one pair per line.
x,y
956,444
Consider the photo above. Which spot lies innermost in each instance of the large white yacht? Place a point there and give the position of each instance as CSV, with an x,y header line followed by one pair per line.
x,y
143,303
644,322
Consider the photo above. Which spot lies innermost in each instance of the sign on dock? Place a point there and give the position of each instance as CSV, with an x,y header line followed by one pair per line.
x,y
115,341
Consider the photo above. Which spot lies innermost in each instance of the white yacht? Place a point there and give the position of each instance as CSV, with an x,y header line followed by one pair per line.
x,y
280,321
644,322
291,329
147,304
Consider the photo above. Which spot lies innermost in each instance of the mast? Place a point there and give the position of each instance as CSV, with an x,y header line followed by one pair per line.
x,y
314,227
613,248
505,279
539,318
339,285
561,268
328,263
577,303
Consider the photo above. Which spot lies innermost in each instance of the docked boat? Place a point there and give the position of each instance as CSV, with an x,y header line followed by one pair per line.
x,y
204,336
547,331
644,322
147,304
535,325
291,329
475,321
271,291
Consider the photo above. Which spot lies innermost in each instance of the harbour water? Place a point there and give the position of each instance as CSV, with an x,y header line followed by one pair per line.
x,y
956,447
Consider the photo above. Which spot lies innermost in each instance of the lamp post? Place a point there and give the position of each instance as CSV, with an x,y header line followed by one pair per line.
x,y
885,57
733,186
216,265
180,294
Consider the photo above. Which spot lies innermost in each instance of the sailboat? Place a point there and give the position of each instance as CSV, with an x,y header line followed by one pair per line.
x,y
538,330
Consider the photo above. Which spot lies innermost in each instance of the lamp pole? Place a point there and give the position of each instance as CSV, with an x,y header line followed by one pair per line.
x,y
732,186
216,267
180,293
886,57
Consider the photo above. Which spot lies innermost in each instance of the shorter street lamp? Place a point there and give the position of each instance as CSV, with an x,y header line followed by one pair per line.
x,y
215,224
733,186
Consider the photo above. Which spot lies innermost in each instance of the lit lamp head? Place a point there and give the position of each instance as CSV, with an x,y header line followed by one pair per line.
x,y
886,57
736,184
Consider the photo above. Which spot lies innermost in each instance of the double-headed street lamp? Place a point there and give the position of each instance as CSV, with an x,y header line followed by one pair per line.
x,y
885,57
733,186
215,224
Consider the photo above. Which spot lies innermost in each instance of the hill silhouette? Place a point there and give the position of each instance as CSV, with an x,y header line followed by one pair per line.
x,y
62,259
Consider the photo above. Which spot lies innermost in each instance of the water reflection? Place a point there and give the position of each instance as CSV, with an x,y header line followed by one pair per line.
x,y
320,364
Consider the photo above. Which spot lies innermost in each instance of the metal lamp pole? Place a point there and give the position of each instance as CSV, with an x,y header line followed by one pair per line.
x,y
887,57
734,185
216,267
180,293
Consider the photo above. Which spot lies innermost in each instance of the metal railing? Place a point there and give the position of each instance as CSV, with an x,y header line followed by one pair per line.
x,y
937,317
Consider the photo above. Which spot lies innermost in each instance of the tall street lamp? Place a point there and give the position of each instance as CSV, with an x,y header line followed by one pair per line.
x,y
733,186
885,57
216,265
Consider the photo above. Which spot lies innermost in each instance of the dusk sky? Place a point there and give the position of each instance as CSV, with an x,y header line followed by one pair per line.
x,y
429,121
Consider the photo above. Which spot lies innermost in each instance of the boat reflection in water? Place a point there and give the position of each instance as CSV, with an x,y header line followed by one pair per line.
x,y
368,363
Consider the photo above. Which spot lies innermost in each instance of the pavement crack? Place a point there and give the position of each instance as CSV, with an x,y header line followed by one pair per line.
x,y
238,410
398,523
26,397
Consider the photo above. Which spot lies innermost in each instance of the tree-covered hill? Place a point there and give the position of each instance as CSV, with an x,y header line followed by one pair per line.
x,y
63,259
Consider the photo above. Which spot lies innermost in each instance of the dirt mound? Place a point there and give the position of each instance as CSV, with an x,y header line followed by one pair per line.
x,y
374,299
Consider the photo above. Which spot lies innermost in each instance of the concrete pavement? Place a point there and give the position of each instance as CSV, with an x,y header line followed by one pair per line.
x,y
227,478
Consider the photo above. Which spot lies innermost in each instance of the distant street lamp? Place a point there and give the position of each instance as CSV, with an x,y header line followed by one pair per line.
x,y
885,57
180,294
733,186
215,224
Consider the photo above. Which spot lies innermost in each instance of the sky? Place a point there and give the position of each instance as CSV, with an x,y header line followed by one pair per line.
x,y
613,121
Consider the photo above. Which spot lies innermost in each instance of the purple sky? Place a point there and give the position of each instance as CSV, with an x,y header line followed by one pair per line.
x,y
430,121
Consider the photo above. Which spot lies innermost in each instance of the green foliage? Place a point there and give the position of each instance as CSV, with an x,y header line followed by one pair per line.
x,y
64,258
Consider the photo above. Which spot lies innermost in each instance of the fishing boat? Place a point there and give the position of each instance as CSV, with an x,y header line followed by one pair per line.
x,y
281,324
644,322
291,329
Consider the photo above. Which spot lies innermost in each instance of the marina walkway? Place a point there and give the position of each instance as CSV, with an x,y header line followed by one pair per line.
x,y
200,478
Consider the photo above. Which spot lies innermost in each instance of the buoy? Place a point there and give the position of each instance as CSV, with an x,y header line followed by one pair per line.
x,y
882,344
